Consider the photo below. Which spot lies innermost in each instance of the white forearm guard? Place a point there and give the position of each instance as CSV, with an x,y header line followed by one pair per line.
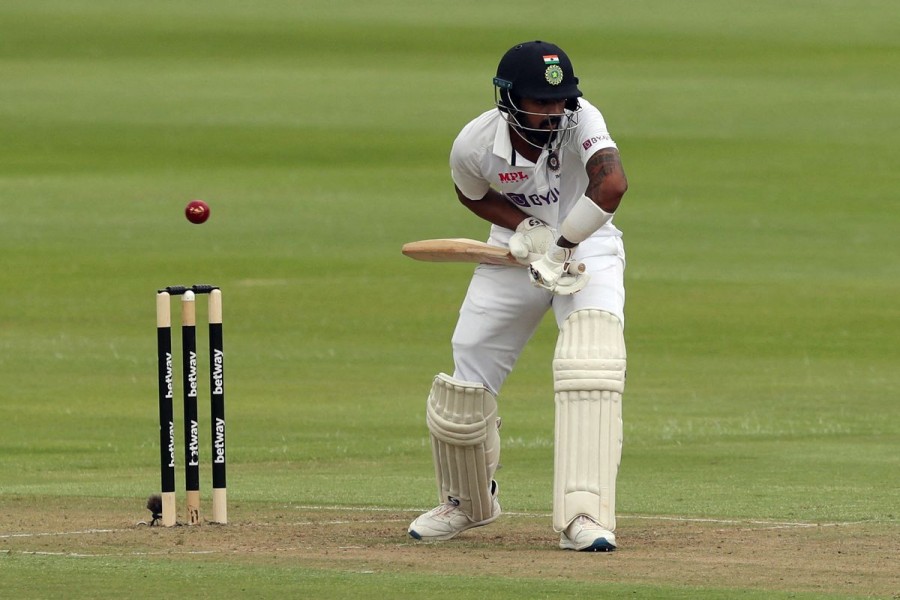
x,y
583,220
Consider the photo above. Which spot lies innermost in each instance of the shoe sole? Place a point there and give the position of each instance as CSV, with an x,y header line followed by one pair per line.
x,y
599,545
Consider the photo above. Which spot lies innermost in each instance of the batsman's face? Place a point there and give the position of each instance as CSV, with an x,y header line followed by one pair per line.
x,y
543,114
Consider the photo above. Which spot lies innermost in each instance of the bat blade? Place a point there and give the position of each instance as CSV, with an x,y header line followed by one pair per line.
x,y
459,250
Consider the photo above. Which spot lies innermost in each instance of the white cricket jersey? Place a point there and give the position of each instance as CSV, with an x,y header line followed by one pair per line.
x,y
482,157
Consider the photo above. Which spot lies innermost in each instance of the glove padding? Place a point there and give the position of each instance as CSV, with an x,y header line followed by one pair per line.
x,y
531,240
556,272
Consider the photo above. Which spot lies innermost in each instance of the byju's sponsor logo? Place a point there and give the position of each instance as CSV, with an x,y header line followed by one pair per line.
x,y
595,140
525,200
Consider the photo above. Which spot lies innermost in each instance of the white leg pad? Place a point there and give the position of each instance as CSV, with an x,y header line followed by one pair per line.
x,y
588,378
465,443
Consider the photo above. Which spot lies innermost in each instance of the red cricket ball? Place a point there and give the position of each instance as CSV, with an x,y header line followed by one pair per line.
x,y
197,211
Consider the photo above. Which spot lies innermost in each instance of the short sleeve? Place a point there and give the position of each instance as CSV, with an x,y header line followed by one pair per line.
x,y
465,168
591,132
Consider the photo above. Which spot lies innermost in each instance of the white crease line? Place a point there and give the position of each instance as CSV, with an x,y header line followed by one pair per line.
x,y
762,524
355,508
771,524
163,552
55,533
296,523
107,554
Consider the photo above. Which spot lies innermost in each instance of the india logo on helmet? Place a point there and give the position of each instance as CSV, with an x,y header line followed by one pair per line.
x,y
554,75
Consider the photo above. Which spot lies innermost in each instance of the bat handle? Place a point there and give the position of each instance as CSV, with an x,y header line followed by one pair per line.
x,y
575,268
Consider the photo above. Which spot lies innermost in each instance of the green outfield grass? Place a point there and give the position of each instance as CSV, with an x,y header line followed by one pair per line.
x,y
761,227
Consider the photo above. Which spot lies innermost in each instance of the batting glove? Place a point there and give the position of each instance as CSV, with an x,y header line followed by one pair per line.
x,y
556,272
531,240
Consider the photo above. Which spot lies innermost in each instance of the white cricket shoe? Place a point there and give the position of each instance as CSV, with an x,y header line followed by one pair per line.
x,y
445,521
586,534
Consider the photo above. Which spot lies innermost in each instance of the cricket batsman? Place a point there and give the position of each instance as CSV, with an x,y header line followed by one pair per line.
x,y
542,168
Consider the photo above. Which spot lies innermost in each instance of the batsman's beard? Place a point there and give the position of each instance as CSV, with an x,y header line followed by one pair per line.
x,y
539,137
542,138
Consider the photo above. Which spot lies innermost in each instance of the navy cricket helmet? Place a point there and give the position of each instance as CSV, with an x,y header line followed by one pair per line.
x,y
537,70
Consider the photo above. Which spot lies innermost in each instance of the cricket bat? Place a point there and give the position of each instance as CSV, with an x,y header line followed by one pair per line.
x,y
459,250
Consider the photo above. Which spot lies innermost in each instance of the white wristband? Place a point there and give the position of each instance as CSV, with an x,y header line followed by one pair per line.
x,y
583,220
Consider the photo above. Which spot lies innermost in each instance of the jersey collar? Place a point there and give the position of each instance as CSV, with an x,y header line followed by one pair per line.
x,y
502,144
503,147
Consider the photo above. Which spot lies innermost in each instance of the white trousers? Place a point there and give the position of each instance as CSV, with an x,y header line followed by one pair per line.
x,y
502,309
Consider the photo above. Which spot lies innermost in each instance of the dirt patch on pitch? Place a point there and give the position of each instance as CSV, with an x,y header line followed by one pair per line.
x,y
858,558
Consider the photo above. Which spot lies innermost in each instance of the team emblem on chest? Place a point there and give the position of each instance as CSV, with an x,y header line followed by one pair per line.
x,y
553,162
